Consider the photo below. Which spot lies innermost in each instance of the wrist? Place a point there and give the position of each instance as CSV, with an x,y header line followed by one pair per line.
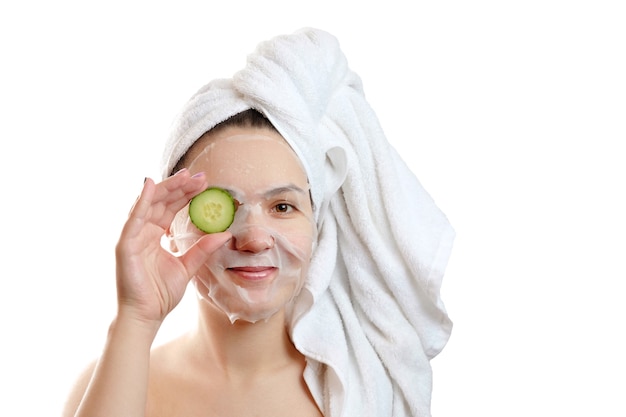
x,y
129,325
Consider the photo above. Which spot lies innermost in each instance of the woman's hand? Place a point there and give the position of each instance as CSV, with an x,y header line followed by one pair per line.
x,y
150,280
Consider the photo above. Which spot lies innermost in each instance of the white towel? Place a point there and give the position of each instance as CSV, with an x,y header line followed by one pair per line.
x,y
370,317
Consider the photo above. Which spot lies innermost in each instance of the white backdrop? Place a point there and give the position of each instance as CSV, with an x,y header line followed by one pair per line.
x,y
512,114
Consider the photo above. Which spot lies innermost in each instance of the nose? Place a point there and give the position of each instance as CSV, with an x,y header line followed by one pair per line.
x,y
252,239
248,231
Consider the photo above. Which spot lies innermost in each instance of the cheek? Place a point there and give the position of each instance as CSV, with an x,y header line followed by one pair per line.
x,y
299,244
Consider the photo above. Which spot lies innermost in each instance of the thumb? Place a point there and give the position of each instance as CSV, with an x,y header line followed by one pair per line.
x,y
197,254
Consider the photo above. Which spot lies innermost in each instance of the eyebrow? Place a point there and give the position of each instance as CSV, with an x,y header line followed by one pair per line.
x,y
276,191
284,189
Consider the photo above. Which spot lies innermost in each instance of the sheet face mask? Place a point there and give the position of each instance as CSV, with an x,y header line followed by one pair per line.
x,y
252,285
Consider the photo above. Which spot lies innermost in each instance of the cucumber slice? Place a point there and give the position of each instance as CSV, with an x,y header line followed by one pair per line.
x,y
213,210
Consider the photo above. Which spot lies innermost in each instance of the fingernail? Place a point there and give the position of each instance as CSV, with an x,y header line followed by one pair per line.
x,y
181,170
198,175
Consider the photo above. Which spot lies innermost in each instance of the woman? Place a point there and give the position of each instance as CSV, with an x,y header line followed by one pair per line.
x,y
322,298
222,368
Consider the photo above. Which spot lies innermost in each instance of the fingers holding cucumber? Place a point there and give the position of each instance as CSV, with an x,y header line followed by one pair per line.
x,y
150,279
155,208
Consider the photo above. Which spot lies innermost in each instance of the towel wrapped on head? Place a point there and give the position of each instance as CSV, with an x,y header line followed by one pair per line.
x,y
370,316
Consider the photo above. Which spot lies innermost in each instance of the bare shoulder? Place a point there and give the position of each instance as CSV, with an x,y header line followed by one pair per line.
x,y
168,359
78,390
171,379
161,368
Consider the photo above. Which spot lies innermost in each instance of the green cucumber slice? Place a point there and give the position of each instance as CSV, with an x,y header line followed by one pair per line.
x,y
213,210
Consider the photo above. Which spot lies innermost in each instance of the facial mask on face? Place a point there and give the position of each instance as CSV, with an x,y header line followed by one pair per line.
x,y
263,267
250,285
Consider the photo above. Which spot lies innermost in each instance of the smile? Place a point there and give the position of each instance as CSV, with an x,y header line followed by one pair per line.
x,y
253,273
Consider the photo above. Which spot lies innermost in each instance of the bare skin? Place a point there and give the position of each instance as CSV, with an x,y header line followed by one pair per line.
x,y
254,375
219,369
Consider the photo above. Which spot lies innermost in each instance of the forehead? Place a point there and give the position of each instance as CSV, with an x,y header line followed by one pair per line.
x,y
244,151
229,133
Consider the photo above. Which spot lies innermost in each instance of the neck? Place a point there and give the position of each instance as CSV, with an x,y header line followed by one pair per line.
x,y
242,348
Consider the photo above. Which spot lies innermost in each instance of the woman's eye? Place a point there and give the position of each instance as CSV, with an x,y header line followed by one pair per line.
x,y
283,208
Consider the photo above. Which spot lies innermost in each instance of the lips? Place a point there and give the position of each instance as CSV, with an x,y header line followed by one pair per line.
x,y
253,273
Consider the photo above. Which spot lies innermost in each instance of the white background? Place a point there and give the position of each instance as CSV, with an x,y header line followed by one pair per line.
x,y
512,114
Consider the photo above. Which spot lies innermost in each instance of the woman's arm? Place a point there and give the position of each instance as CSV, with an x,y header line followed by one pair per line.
x,y
117,384
150,283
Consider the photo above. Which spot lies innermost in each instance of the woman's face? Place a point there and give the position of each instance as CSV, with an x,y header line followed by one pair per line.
x,y
263,267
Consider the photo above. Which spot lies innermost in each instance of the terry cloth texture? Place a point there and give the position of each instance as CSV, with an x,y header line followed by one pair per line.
x,y
370,317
